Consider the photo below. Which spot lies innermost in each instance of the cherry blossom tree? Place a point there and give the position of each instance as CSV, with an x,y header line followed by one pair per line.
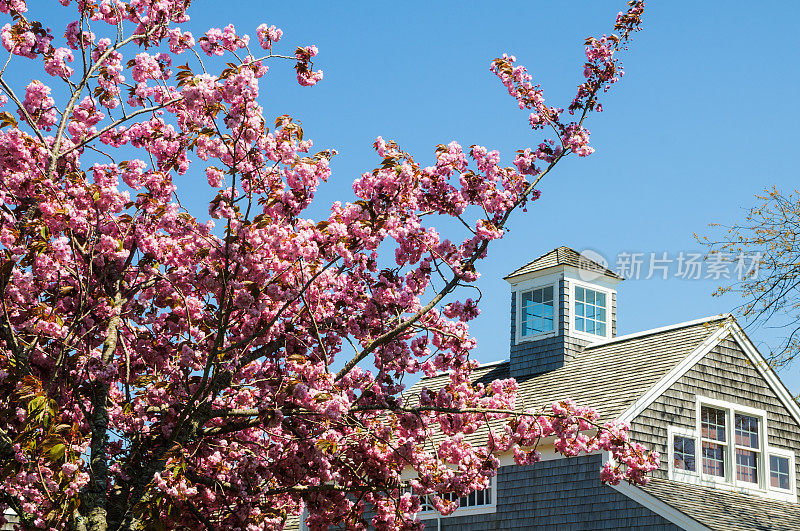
x,y
161,371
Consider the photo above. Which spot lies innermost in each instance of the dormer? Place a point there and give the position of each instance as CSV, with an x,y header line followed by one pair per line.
x,y
560,302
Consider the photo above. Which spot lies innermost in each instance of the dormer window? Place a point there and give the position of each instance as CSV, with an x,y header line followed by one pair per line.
x,y
730,445
591,311
559,297
536,309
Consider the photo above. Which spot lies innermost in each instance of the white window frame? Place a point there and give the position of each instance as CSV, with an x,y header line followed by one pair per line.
x,y
466,511
762,463
675,473
782,452
526,287
730,410
572,314
727,453
730,482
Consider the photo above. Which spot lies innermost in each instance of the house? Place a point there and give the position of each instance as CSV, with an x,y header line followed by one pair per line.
x,y
698,392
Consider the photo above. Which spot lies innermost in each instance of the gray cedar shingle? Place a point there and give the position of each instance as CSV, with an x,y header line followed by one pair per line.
x,y
723,511
562,256
559,494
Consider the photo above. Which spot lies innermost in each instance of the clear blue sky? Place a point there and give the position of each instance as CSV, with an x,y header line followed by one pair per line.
x,y
704,119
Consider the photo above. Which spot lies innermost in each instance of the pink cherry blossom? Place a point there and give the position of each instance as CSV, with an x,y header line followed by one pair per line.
x,y
57,66
268,36
39,105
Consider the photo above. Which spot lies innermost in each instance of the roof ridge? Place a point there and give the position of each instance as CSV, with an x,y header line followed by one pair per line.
x,y
653,331
562,256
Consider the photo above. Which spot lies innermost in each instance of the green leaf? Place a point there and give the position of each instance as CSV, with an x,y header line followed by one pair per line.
x,y
57,452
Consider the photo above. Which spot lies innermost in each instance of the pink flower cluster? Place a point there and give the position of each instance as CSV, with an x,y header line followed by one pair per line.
x,y
77,38
268,35
216,41
146,66
25,39
180,41
56,65
39,105
306,76
13,6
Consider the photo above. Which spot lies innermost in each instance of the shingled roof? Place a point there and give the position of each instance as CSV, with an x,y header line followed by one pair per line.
x,y
730,510
608,375
563,256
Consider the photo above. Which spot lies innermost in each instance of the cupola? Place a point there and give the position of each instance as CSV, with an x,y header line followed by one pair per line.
x,y
560,302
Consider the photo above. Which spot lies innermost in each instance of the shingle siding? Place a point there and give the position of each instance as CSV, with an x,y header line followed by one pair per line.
x,y
558,494
727,374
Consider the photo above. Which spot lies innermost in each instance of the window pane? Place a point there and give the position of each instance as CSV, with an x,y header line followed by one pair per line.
x,y
589,297
526,313
426,503
547,293
779,472
526,299
590,306
475,498
713,459
684,456
746,431
600,299
712,423
746,466
537,311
